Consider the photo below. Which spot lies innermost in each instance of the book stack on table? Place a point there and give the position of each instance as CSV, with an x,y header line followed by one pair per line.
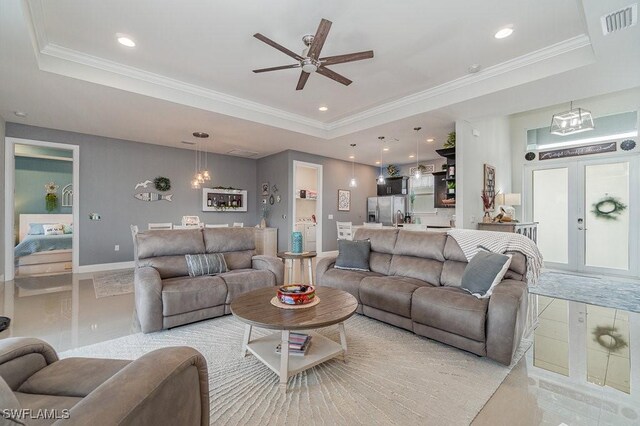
x,y
298,344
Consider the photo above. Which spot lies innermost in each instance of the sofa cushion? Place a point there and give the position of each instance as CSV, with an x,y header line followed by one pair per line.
x,y
353,255
390,294
76,377
205,264
348,281
382,240
426,245
222,240
37,402
186,294
450,309
243,280
239,259
452,272
380,262
484,272
428,270
167,266
169,243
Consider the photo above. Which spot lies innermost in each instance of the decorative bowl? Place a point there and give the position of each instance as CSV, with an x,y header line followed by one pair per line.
x,y
296,294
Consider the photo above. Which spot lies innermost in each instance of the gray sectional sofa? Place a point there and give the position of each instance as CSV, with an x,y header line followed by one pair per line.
x,y
165,386
166,296
414,284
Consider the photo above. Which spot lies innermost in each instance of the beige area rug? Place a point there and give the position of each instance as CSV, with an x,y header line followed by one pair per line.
x,y
392,377
113,283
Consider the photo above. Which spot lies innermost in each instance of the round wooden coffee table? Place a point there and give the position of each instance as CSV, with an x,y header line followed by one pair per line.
x,y
255,309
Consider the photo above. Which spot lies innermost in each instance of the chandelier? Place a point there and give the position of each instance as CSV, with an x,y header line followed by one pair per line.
x,y
576,120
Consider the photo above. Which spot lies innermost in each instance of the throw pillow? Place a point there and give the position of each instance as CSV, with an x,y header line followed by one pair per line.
x,y
205,264
483,272
68,228
53,229
35,229
353,255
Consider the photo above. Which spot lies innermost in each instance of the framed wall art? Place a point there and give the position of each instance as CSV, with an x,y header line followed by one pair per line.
x,y
344,200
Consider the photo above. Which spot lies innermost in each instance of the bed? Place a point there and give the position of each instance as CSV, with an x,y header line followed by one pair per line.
x,y
43,254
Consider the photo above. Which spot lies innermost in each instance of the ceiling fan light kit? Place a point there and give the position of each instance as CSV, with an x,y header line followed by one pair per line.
x,y
310,60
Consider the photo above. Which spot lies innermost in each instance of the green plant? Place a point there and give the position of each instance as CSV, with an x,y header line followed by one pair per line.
x,y
51,202
451,140
608,208
162,183
451,185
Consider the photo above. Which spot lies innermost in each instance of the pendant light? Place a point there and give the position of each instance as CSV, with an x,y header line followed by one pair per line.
x,y
381,177
570,122
352,182
195,183
202,174
418,173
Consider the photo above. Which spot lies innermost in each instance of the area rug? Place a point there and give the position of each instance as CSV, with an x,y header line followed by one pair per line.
x,y
604,291
391,377
113,283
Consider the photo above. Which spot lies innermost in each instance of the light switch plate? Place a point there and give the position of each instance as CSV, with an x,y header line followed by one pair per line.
x,y
330,216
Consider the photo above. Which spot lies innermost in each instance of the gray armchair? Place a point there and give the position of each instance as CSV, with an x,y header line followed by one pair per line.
x,y
166,386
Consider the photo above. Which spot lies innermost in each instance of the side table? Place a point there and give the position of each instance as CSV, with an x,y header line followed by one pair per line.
x,y
300,257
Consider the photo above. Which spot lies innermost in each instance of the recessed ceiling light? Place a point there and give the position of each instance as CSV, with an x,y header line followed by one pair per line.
x,y
323,108
411,156
202,135
351,157
125,40
474,68
20,114
385,149
504,33
377,162
430,140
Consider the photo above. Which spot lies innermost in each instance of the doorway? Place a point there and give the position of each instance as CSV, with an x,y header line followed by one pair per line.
x,y
41,208
307,205
585,211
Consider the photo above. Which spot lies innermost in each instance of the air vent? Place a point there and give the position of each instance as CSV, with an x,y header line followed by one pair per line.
x,y
242,153
620,19
188,143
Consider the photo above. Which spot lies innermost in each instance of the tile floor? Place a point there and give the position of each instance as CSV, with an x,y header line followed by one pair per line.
x,y
542,389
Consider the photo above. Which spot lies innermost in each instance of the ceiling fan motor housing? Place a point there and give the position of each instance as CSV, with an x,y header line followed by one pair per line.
x,y
309,65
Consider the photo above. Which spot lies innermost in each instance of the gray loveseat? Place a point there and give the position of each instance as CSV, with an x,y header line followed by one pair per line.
x,y
414,284
166,296
166,386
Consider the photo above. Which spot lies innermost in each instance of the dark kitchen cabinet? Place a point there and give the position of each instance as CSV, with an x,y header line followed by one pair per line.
x,y
393,186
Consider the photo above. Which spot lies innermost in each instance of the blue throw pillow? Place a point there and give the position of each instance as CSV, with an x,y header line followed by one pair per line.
x,y
353,255
483,272
36,229
205,264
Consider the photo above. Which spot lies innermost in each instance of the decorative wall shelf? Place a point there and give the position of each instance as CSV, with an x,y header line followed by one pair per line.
x,y
224,200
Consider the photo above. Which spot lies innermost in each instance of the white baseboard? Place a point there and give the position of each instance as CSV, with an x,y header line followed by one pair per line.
x,y
105,267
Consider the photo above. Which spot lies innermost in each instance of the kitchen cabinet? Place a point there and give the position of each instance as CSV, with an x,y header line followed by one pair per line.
x,y
393,186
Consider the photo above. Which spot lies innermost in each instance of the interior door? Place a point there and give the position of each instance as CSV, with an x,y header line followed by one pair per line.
x,y
584,210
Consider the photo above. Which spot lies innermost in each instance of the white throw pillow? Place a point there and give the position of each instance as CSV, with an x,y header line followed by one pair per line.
x,y
53,229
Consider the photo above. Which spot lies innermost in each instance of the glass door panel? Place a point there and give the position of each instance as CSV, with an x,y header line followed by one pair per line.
x,y
606,206
551,211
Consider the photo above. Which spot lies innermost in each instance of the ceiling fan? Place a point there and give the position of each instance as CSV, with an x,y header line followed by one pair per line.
x,y
310,60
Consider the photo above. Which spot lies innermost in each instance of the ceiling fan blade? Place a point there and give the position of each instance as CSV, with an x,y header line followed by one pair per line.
x,y
333,75
278,46
349,57
283,67
319,39
304,76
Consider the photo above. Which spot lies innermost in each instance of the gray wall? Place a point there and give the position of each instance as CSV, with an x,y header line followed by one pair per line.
x,y
109,170
32,174
278,168
2,132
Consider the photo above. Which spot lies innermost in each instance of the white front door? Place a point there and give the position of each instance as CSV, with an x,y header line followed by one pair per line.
x,y
587,214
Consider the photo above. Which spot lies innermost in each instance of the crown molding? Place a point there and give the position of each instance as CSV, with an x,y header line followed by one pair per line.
x,y
560,57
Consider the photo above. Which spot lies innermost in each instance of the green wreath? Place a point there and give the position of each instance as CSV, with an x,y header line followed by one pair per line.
x,y
608,208
162,183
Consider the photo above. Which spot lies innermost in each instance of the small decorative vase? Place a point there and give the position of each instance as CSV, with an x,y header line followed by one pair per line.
x,y
263,223
296,242
486,218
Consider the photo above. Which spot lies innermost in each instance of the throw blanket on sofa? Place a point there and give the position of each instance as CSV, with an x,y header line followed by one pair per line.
x,y
471,242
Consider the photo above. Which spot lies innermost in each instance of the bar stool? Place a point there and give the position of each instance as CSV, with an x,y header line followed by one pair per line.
x,y
300,257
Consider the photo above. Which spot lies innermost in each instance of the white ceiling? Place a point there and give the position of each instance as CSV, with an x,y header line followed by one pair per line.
x,y
191,68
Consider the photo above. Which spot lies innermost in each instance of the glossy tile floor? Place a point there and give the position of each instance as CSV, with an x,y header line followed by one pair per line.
x,y
581,369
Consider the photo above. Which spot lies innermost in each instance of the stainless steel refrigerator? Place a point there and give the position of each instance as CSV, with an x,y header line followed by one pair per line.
x,y
386,210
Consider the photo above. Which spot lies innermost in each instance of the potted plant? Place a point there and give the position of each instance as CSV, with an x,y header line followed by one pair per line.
x,y
451,140
451,187
51,199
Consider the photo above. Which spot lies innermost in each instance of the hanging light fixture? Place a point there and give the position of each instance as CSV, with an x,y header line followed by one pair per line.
x,y
352,182
202,174
195,183
418,172
570,122
381,177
